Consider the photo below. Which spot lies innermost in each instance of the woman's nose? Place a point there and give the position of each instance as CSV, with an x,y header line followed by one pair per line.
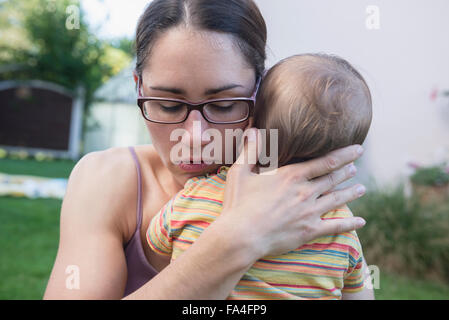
x,y
195,126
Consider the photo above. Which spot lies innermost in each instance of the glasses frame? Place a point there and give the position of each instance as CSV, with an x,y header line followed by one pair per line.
x,y
197,106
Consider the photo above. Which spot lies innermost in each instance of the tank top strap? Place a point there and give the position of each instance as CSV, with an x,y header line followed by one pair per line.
x,y
139,269
139,188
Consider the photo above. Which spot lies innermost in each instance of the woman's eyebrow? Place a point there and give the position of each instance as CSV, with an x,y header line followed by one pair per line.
x,y
223,88
167,89
207,92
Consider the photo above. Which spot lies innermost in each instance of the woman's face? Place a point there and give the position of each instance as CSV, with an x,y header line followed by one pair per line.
x,y
189,65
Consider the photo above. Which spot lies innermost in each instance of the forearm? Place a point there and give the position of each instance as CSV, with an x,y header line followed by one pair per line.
x,y
210,269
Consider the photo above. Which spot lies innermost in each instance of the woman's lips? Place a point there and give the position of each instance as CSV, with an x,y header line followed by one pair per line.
x,y
191,167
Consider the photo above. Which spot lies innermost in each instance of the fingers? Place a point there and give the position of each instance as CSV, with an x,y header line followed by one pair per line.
x,y
338,198
324,184
332,161
337,226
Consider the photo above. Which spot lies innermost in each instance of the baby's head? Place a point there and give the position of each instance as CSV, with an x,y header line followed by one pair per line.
x,y
317,102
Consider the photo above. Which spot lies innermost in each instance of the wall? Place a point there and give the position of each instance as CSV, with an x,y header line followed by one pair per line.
x,y
403,62
119,125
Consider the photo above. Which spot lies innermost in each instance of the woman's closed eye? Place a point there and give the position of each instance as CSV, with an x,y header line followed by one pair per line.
x,y
221,107
171,107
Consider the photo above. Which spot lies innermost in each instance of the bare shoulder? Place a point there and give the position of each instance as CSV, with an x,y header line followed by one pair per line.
x,y
114,169
102,190
109,164
111,170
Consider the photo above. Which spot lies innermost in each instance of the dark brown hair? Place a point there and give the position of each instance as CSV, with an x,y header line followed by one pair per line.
x,y
239,18
318,103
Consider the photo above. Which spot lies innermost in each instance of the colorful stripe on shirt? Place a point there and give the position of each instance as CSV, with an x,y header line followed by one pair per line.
x,y
320,269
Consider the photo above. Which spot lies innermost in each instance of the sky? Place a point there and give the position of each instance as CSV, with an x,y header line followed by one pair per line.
x,y
113,18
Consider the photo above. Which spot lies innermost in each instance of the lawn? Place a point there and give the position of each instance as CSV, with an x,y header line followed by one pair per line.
x,y
50,169
397,287
29,232
29,235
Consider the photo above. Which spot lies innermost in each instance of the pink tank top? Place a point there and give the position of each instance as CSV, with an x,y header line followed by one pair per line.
x,y
139,269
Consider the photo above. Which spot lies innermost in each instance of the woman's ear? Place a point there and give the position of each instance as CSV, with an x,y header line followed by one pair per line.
x,y
135,76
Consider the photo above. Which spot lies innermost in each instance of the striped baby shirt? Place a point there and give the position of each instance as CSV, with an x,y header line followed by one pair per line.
x,y
320,269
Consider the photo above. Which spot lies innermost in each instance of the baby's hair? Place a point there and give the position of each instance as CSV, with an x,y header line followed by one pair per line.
x,y
318,103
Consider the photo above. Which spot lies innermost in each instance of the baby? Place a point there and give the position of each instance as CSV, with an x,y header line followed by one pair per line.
x,y
318,103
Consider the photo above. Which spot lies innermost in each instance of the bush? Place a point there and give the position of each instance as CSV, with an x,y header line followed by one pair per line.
x,y
403,235
19,155
3,153
430,176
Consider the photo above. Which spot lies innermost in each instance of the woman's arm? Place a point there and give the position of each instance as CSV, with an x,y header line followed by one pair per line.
x,y
258,219
270,221
210,269
90,249
92,232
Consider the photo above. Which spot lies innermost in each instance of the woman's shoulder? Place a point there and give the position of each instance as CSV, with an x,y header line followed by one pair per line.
x,y
104,184
116,163
114,170
107,167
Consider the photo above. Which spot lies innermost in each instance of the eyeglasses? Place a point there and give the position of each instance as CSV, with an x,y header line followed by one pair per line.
x,y
218,111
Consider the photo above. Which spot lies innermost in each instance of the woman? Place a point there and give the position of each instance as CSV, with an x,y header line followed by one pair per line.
x,y
192,50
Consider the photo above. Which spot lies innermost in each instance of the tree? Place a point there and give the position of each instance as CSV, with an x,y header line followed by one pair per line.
x,y
67,57
125,44
34,36
49,46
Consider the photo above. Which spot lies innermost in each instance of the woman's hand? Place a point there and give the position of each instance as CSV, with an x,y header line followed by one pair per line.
x,y
279,212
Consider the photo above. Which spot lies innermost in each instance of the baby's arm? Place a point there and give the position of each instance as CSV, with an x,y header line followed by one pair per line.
x,y
367,293
159,231
357,280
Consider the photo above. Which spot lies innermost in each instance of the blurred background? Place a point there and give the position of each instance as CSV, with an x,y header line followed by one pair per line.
x,y
66,89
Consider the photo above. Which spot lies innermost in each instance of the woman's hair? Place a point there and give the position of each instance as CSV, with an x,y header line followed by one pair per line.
x,y
317,102
239,18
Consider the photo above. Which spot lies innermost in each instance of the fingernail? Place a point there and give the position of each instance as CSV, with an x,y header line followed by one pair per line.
x,y
360,190
352,169
360,222
360,150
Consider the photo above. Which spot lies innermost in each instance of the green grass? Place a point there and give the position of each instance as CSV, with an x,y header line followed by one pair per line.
x,y
396,287
50,169
29,232
29,235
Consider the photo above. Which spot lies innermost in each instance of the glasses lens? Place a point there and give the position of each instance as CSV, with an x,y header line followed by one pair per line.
x,y
227,111
164,111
